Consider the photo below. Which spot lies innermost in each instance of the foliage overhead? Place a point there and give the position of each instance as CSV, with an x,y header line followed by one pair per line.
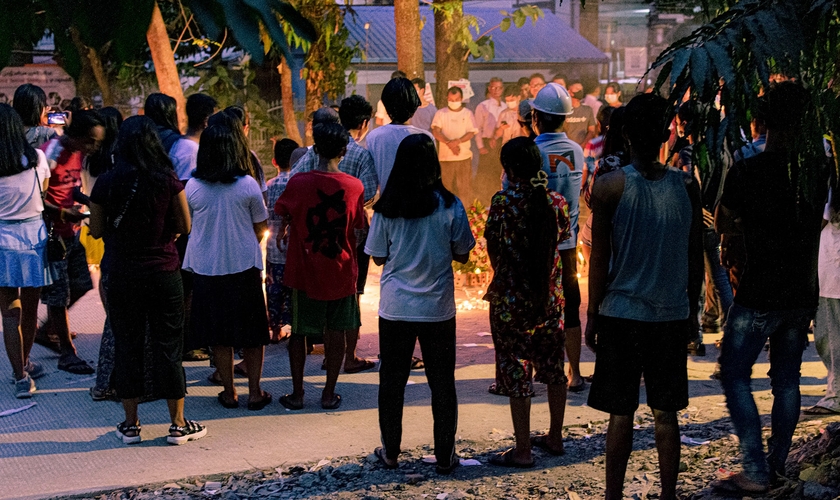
x,y
735,57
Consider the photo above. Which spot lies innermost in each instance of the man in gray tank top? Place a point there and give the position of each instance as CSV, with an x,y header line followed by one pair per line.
x,y
645,277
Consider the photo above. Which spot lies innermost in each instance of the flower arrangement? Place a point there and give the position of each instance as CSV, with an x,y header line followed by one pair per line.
x,y
479,263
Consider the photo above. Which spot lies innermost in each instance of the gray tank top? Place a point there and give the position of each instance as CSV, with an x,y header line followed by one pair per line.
x,y
648,278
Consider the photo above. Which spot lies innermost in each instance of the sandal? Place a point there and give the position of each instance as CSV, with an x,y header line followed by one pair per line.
x,y
417,363
190,432
42,338
72,363
541,441
238,369
262,403
286,401
215,379
366,365
383,459
227,404
196,355
333,404
578,387
740,485
505,459
276,339
814,410
123,430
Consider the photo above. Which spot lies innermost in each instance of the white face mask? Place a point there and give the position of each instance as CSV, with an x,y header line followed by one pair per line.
x,y
454,106
611,98
512,104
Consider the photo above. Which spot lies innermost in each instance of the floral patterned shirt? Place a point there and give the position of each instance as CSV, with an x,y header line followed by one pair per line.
x,y
507,244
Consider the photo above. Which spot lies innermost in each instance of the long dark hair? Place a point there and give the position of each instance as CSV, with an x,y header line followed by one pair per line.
x,y
14,147
163,110
522,162
230,119
414,187
220,158
139,149
614,140
103,159
30,101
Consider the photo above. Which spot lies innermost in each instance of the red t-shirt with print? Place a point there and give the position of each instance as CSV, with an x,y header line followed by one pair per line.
x,y
324,209
65,176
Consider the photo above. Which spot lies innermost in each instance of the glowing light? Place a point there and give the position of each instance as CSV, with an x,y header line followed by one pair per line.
x,y
477,271
578,275
266,234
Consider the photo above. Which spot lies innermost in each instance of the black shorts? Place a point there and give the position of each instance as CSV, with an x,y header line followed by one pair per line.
x,y
571,289
628,349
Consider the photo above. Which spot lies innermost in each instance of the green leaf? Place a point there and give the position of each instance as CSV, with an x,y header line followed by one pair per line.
x,y
722,62
680,61
213,80
505,24
699,71
519,19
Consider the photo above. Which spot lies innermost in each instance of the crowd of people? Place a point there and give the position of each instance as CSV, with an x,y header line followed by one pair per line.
x,y
183,217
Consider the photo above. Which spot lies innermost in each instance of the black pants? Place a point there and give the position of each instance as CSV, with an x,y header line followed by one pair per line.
x,y
134,300
396,346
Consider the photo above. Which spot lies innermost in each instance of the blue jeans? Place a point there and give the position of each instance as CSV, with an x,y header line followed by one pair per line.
x,y
746,332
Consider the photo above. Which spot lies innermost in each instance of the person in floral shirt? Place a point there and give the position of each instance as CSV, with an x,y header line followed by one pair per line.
x,y
527,222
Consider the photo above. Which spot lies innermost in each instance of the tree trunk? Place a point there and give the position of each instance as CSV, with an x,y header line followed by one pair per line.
x,y
450,63
101,77
88,79
287,100
409,45
169,81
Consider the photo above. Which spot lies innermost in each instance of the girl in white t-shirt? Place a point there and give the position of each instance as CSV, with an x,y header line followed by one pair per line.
x,y
23,241
418,229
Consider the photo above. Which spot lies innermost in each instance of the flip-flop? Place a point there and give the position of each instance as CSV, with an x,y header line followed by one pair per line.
x,y
287,403
367,365
578,387
334,404
417,363
227,404
44,340
379,452
75,365
259,405
820,410
541,441
281,338
739,485
505,459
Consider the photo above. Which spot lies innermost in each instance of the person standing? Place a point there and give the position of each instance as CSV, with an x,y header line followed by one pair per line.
x,y
23,240
563,164
418,229
382,116
827,321
644,285
592,87
509,127
524,85
223,253
526,224
163,111
322,209
580,125
71,276
30,102
139,208
487,115
612,94
454,127
778,291
424,115
536,82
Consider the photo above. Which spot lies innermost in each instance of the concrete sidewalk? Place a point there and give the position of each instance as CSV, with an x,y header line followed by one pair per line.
x,y
66,442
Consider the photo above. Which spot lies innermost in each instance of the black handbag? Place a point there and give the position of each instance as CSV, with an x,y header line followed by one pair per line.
x,y
56,249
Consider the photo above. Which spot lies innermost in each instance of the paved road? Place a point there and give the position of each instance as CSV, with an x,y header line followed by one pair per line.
x,y
66,444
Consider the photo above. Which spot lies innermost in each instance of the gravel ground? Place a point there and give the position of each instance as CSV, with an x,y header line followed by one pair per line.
x,y
709,452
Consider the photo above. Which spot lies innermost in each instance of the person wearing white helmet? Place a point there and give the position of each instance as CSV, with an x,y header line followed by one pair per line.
x,y
563,162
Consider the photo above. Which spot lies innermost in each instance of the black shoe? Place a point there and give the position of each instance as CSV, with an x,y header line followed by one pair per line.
x,y
696,348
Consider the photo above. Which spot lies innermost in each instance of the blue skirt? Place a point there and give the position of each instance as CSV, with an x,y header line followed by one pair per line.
x,y
23,253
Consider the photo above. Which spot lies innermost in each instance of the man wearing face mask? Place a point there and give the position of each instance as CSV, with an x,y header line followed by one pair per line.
x,y
487,118
508,126
454,127
580,125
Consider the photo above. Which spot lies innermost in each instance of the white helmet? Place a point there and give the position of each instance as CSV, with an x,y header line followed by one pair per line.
x,y
553,99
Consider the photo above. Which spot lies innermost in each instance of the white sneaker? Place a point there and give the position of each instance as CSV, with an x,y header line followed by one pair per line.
x,y
24,388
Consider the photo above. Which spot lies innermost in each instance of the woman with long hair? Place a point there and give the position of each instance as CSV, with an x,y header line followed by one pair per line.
x,y
230,219
525,227
418,229
163,110
23,237
140,208
30,102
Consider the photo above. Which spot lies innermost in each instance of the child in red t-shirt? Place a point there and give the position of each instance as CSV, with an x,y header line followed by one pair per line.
x,y
322,209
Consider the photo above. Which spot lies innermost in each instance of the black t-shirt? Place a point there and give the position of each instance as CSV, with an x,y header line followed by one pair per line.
x,y
781,234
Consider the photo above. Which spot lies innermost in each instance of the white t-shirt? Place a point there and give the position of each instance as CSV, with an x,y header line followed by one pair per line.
x,y
828,265
417,281
382,142
20,195
454,125
222,240
183,155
